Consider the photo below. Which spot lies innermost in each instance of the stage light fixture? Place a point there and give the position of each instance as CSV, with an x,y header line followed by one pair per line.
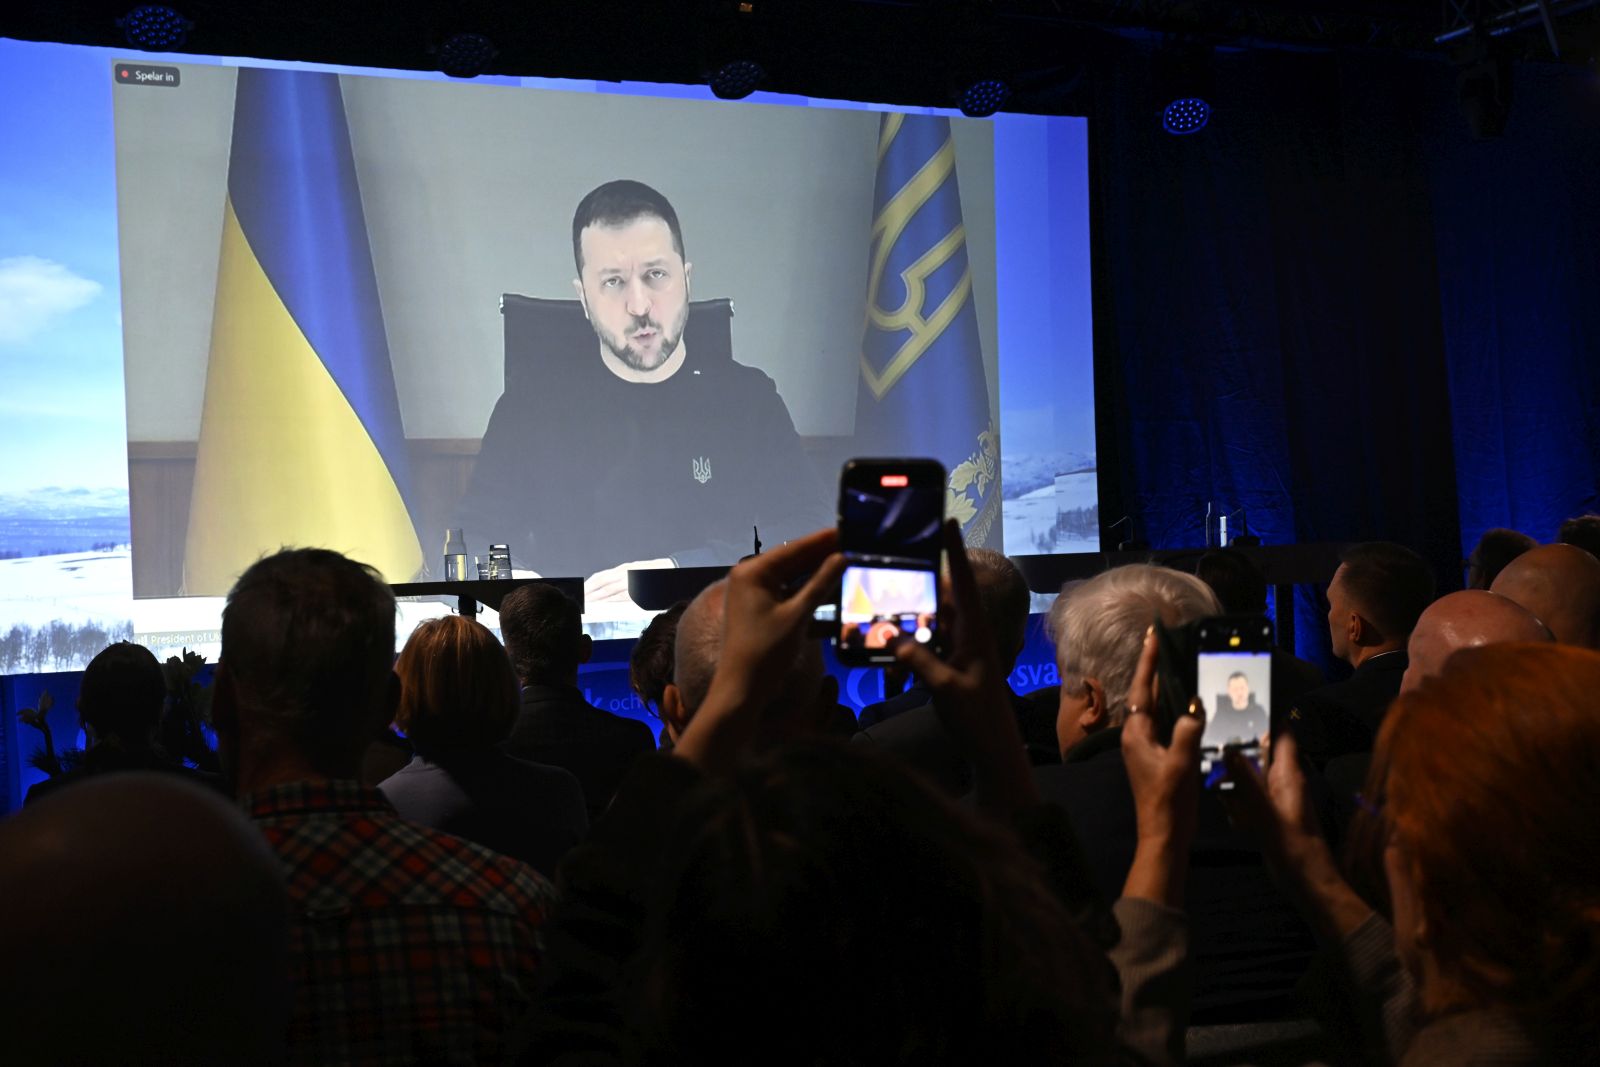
x,y
155,28
737,79
983,97
1185,115
466,55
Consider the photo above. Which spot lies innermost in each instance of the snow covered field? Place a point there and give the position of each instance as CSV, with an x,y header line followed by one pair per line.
x,y
1030,519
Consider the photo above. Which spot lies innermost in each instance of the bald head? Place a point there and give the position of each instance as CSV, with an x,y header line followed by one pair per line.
x,y
1466,619
151,921
1561,585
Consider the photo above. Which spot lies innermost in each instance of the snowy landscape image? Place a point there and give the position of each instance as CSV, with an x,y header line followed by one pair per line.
x,y
1050,503
66,577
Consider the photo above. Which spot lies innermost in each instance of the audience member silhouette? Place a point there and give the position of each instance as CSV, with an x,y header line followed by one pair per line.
x,y
544,636
458,699
732,891
1466,619
1484,774
1374,601
907,726
1249,947
1495,549
650,665
1560,584
119,704
407,945
1582,531
145,922
804,704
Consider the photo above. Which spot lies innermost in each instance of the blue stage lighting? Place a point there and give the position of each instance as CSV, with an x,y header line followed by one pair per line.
x,y
466,55
155,28
1186,115
737,79
983,97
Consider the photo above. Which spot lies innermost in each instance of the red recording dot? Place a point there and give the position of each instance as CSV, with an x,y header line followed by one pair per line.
x,y
124,74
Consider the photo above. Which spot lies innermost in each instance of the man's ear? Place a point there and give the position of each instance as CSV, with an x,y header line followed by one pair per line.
x,y
1359,631
583,301
1095,715
688,269
673,713
585,648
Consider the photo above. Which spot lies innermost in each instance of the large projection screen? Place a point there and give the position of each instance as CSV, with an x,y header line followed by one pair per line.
x,y
245,305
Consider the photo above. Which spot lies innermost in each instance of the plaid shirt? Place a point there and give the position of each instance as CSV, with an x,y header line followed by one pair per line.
x,y
408,945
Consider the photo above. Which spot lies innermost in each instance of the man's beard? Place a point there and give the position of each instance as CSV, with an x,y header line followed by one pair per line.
x,y
619,347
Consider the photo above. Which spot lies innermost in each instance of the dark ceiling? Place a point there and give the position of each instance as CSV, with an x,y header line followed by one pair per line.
x,y
896,51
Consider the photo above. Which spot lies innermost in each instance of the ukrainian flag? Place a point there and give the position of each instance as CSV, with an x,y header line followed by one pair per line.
x,y
300,437
923,391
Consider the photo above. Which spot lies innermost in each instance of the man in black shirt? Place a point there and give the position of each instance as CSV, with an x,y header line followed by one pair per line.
x,y
663,451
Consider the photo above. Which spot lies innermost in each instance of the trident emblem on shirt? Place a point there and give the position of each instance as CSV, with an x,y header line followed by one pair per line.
x,y
702,470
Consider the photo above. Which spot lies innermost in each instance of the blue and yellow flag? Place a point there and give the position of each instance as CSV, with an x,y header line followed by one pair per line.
x,y
923,390
300,437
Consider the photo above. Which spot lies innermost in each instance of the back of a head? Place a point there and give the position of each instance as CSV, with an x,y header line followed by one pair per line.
x,y
307,643
456,685
122,694
1495,549
1240,586
543,630
145,922
1098,626
650,665
1389,585
1487,772
828,885
1561,585
1004,598
1469,618
1582,531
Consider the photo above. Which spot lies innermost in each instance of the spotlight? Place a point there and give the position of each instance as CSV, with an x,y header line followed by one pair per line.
x,y
983,97
1183,80
737,79
466,55
155,28
1186,115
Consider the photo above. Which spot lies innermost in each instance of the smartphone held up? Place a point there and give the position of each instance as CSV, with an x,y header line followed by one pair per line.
x,y
890,515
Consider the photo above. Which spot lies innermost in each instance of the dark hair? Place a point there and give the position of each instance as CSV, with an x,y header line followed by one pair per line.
x,y
122,694
1495,549
650,665
1003,596
1582,531
813,877
1234,577
543,631
1390,585
1238,674
456,685
308,642
618,203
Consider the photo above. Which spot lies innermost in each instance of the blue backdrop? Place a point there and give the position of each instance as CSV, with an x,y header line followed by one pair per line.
x,y
1337,310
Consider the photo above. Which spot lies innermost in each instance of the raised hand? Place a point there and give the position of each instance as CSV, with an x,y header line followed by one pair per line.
x,y
1165,781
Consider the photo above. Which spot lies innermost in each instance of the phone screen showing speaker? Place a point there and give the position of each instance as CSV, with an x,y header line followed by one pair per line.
x,y
880,605
1237,689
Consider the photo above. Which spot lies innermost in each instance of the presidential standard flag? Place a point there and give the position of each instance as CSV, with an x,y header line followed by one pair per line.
x,y
923,391
300,436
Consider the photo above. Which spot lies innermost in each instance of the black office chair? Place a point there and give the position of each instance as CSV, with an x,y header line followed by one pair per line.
x,y
550,344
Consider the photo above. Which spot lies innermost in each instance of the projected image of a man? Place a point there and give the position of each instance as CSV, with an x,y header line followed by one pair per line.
x,y
659,449
634,285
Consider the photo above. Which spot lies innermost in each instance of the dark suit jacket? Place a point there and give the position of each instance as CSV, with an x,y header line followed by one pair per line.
x,y
917,738
1344,717
557,726
527,811
1248,944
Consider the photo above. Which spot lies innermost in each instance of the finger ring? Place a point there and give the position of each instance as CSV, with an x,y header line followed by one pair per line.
x,y
1196,708
1133,709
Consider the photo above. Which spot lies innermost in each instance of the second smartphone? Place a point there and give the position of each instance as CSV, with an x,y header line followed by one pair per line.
x,y
891,512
